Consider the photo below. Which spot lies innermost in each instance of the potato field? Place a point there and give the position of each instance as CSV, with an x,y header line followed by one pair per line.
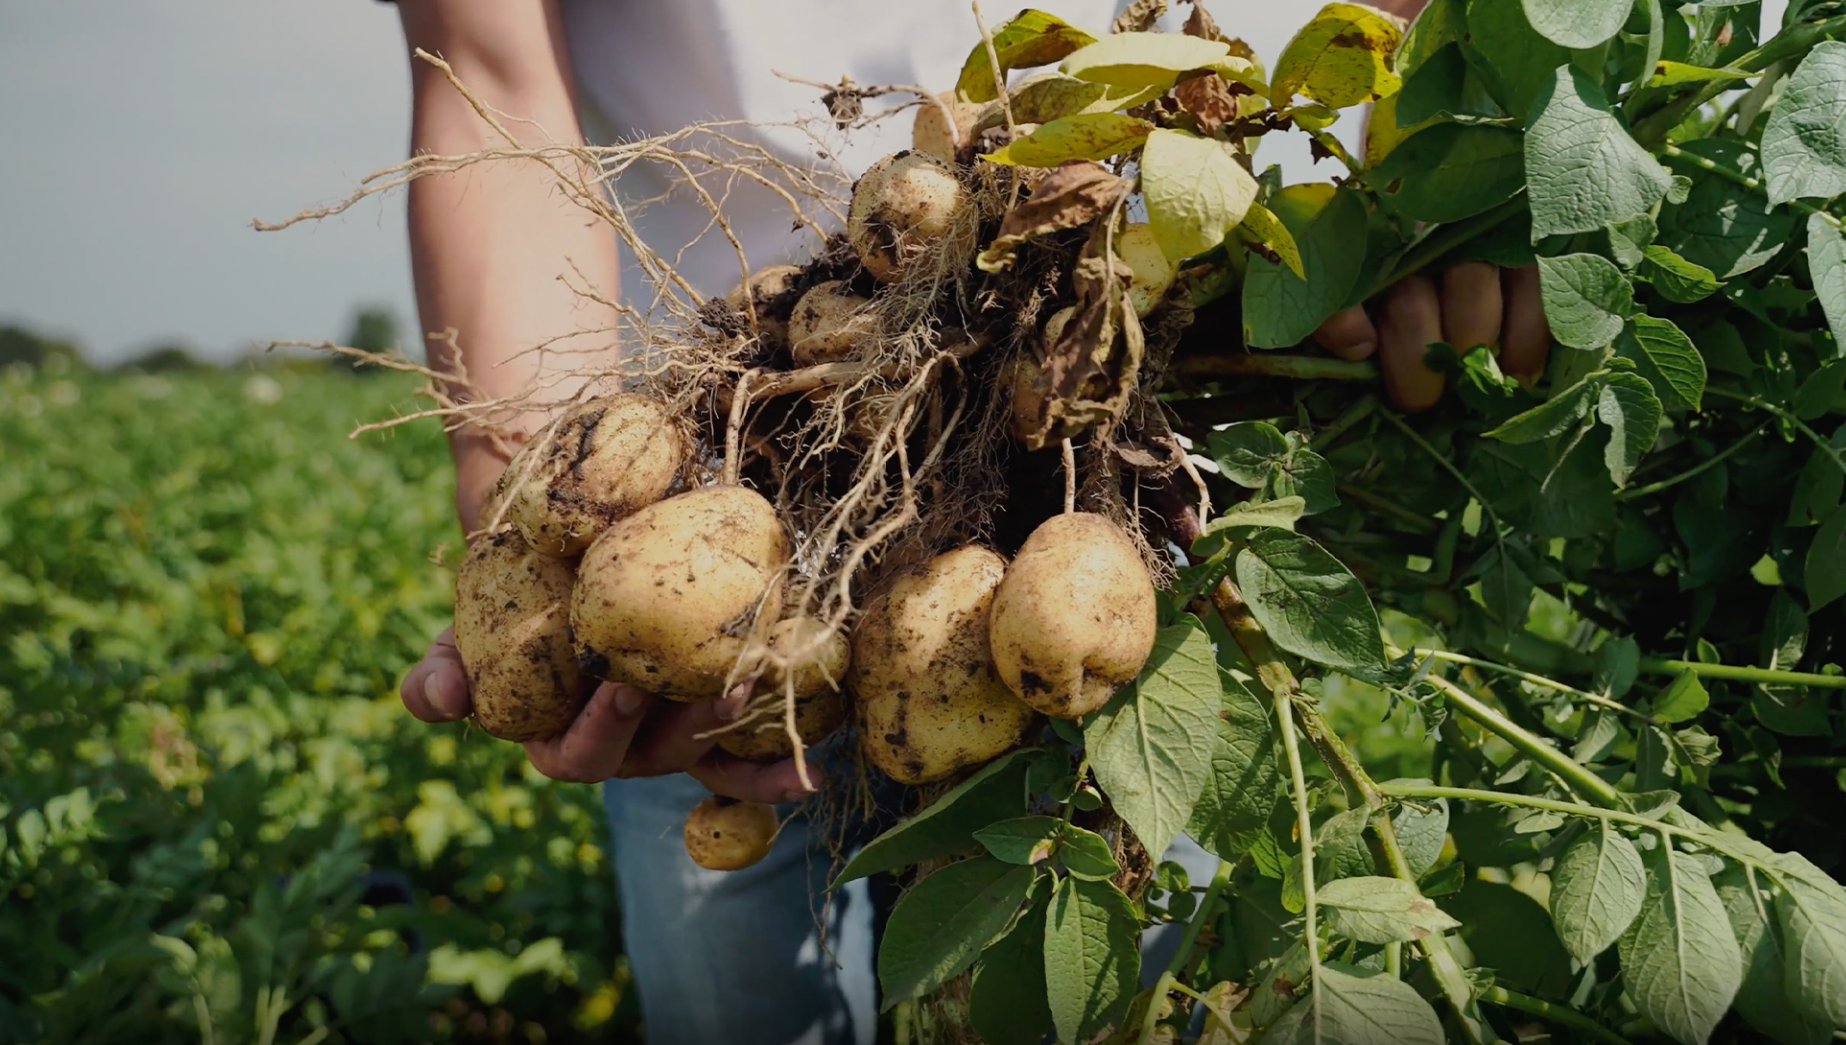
x,y
219,823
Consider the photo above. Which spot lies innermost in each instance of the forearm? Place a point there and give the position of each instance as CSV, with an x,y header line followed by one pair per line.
x,y
492,245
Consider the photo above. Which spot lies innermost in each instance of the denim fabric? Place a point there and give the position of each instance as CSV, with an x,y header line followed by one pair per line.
x,y
735,957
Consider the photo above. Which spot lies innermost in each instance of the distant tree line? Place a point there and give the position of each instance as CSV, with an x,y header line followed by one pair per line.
x,y
372,329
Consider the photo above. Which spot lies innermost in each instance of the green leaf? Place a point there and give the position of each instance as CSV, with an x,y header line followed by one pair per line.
x,y
1676,278
1372,909
1454,170
1667,358
1819,487
1826,562
1804,140
940,924
1086,136
1762,999
1340,851
1811,910
1577,24
1282,511
1195,192
1092,956
1031,38
1257,456
1631,411
1587,299
1683,698
1246,774
1022,840
1827,265
1086,854
1583,171
1553,417
1509,932
1596,891
1309,602
1329,228
1508,55
1357,1008
1141,60
994,792
1439,24
1679,958
1340,58
1433,88
1006,1003
1724,226
1421,830
1151,745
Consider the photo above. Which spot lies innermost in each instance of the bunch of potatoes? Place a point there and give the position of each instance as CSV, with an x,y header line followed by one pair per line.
x,y
601,575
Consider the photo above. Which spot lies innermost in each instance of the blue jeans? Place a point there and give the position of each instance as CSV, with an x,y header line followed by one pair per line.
x,y
737,957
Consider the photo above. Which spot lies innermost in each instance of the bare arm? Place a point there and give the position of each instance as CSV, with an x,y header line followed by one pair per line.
x,y
489,243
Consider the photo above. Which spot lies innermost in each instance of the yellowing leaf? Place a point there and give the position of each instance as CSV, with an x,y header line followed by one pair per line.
x,y
1341,58
1195,192
1032,38
1141,60
1089,136
1669,74
1382,134
1262,224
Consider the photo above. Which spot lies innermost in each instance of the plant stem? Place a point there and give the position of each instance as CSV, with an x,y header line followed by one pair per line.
x,y
1750,400
1152,1017
1350,416
1220,880
1652,129
1310,911
1569,770
1526,676
1672,151
1653,488
1555,1013
1740,673
1270,364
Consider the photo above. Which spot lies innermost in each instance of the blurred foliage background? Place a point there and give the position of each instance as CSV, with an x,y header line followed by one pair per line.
x,y
216,821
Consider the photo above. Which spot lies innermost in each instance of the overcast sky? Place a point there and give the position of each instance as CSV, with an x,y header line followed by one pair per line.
x,y
142,136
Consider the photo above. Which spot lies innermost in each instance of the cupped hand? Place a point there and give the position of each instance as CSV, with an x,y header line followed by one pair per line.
x,y
621,732
1477,303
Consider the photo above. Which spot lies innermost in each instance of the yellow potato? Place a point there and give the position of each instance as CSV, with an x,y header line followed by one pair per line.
x,y
607,458
929,701
830,323
901,207
665,597
816,674
512,628
769,288
1153,271
723,834
1075,616
933,133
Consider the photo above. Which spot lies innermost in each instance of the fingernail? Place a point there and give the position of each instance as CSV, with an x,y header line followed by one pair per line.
x,y
629,700
439,699
728,709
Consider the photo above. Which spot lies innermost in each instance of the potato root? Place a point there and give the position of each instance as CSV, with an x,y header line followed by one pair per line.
x,y
512,629
815,678
607,458
929,700
666,597
1075,616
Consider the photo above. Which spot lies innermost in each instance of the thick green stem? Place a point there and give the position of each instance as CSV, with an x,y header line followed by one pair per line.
x,y
1525,676
1813,436
1304,824
1151,1018
1220,880
1634,492
1672,151
1555,1013
1271,364
1740,673
1572,772
1795,40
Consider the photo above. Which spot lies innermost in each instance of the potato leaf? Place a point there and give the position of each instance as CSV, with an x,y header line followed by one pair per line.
x,y
1357,1008
940,924
1006,1004
1144,60
1804,141
1265,228
1328,226
994,792
1195,192
1092,961
1452,171
1827,264
1577,23
1309,602
1587,299
1031,38
1086,136
1583,171
1246,775
1372,909
1341,58
1628,407
1596,891
1679,958
1811,909
1667,358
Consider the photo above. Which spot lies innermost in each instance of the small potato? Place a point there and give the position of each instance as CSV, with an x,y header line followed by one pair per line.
x,y
512,628
1074,617
723,834
607,458
665,597
933,133
770,290
929,701
1153,270
815,676
830,323
901,207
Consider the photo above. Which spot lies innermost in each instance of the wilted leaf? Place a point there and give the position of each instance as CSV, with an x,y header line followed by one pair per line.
x,y
1031,38
1141,60
1074,195
1341,58
1086,136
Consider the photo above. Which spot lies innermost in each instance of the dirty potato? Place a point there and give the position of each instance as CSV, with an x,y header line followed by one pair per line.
x,y
512,629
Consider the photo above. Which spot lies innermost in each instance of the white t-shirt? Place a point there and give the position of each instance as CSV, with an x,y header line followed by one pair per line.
x,y
650,69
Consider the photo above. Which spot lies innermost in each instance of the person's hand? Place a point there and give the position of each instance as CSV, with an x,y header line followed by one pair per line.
x,y
621,732
1476,304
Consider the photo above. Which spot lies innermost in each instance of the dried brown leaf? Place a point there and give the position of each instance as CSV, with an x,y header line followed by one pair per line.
x,y
1073,195
1211,100
1139,17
